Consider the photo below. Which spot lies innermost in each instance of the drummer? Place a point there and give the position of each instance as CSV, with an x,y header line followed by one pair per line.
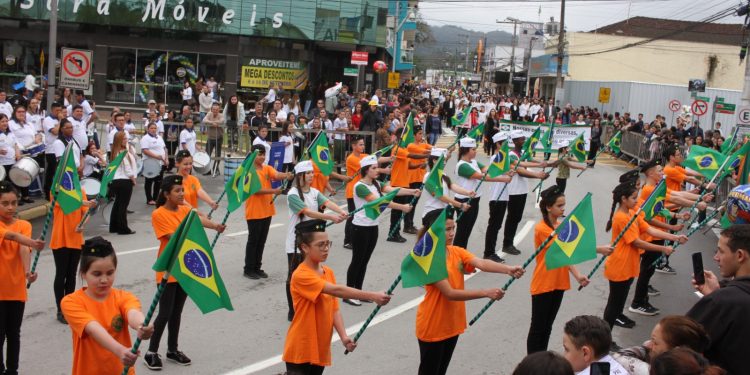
x,y
153,147
9,151
26,136
119,123
188,139
93,162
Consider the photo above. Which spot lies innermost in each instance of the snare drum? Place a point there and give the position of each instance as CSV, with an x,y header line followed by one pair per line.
x,y
92,187
24,172
136,143
201,162
151,167
34,150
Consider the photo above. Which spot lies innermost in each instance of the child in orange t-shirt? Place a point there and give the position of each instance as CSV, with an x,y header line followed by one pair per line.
x,y
623,265
441,316
417,170
15,242
314,290
99,315
171,210
190,183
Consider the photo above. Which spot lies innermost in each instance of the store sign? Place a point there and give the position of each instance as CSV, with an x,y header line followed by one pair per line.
x,y
351,72
359,58
260,73
393,79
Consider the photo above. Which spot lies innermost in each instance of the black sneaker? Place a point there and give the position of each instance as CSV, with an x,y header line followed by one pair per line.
x,y
262,274
666,269
620,322
494,258
411,230
348,246
653,291
179,358
397,239
643,309
251,275
512,250
152,361
61,318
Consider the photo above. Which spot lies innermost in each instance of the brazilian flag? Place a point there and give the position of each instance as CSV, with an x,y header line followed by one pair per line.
x,y
320,154
615,142
744,167
434,182
500,162
65,186
655,204
528,145
460,117
374,208
244,183
575,240
109,173
476,132
383,150
546,140
425,263
578,148
737,159
704,160
189,258
407,135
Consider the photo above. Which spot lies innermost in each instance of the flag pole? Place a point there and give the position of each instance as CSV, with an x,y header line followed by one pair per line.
x,y
223,222
518,164
98,199
622,233
304,157
585,169
350,214
159,290
690,233
403,214
705,190
600,151
374,312
223,193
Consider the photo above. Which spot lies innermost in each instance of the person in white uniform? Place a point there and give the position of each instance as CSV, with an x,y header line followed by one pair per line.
x,y
9,151
433,206
153,148
188,138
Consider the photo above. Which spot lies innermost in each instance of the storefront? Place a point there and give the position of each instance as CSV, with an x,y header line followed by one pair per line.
x,y
148,49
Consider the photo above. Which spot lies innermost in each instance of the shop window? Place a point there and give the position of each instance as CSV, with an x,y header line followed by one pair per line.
x,y
121,67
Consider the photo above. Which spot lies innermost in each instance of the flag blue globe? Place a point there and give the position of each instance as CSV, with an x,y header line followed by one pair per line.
x,y
738,205
198,263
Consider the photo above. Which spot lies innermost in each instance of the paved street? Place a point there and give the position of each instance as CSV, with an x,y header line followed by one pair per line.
x,y
251,338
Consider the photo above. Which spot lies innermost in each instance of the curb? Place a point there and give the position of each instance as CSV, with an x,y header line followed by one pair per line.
x,y
34,212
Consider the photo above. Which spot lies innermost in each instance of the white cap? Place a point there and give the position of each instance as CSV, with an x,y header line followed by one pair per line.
x,y
368,160
438,152
517,133
564,143
467,142
303,166
499,137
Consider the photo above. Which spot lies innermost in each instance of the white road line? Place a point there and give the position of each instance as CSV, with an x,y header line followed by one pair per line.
x,y
145,249
398,310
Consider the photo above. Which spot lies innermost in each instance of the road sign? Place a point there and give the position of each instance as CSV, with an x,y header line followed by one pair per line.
x,y
699,107
674,105
393,80
725,108
743,115
604,94
351,72
75,72
359,58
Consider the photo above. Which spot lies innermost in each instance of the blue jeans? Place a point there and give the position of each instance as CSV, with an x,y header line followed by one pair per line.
x,y
433,137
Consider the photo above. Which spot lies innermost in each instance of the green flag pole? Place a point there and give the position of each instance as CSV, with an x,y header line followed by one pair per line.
x,y
350,214
223,222
704,192
223,193
374,312
403,214
44,234
149,314
689,233
518,164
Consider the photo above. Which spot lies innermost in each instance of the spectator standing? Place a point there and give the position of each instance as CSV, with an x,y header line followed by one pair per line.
x,y
234,113
214,123
187,94
204,101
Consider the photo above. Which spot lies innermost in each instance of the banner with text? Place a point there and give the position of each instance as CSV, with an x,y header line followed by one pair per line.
x,y
562,132
260,73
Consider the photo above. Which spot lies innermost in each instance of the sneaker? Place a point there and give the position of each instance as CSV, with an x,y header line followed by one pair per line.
x,y
152,361
352,302
643,309
179,357
411,230
667,269
396,238
494,258
653,291
251,275
620,322
262,274
348,246
512,250
61,318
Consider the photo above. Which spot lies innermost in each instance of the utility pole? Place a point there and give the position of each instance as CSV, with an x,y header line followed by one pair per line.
x,y
51,81
559,93
466,64
528,64
513,43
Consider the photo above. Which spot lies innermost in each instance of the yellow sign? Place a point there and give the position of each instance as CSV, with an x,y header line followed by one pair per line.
x,y
604,94
290,79
394,79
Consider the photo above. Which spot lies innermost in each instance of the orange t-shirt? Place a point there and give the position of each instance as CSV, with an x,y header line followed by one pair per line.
x,y
545,280
352,169
623,263
437,317
417,175
192,185
400,169
165,222
260,206
675,177
319,181
646,191
64,227
308,339
90,358
11,266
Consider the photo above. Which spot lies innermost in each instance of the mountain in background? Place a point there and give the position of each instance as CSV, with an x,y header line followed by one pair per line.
x,y
437,44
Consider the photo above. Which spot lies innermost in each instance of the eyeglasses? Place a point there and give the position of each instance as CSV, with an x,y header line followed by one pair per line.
x,y
324,245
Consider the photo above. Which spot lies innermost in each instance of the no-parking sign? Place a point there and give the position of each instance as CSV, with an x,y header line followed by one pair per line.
x,y
699,107
75,69
674,105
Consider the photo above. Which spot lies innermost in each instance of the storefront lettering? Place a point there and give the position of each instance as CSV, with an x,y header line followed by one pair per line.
x,y
103,7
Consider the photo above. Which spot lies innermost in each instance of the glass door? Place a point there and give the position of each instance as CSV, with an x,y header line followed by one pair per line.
x,y
151,76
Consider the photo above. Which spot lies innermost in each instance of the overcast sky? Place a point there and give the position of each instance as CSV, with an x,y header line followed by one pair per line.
x,y
579,15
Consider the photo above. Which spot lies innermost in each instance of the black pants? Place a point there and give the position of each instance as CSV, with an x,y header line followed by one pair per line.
x,y
50,165
516,204
618,295
434,357
170,313
544,308
11,316
171,150
292,261
409,218
497,213
363,244
233,135
644,276
465,224
593,149
152,186
303,369
256,241
121,190
215,145
349,226
395,228
562,183
66,264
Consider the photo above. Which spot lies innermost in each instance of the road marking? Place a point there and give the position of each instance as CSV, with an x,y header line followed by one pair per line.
x,y
152,248
398,310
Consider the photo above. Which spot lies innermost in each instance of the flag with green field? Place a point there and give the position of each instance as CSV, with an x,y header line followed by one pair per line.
x,y
66,186
575,240
434,182
244,183
374,208
425,263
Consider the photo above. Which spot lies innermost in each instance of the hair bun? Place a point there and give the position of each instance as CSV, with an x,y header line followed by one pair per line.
x,y
98,247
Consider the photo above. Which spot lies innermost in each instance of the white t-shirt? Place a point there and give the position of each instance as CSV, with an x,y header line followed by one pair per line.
x,y
615,368
340,123
463,177
48,124
24,133
6,109
360,218
7,143
87,111
534,109
187,93
258,141
154,144
79,132
523,109
519,185
312,200
59,148
129,127
431,203
288,148
35,120
89,163
188,138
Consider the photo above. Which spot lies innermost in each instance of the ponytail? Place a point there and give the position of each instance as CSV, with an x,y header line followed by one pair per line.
x,y
624,189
